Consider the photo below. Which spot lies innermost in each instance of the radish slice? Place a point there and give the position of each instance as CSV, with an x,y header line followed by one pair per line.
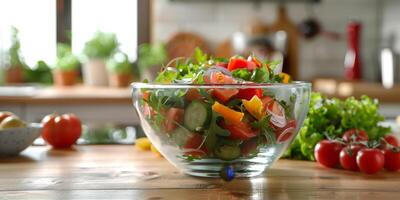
x,y
285,135
277,114
287,132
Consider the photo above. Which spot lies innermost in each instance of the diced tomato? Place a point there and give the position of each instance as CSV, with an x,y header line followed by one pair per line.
x,y
220,78
224,94
249,147
194,146
239,131
237,63
248,93
192,94
222,64
146,95
266,101
251,65
173,116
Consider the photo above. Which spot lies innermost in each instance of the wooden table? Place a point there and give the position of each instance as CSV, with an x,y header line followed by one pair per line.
x,y
122,172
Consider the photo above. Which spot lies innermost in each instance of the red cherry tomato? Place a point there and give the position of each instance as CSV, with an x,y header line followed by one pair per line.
x,y
194,146
370,160
355,135
392,159
249,93
239,131
348,157
173,116
327,152
390,139
61,131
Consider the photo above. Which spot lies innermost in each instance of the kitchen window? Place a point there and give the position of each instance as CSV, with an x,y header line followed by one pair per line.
x,y
33,19
114,16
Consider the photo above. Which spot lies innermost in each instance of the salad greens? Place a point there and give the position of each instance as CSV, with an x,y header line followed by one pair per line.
x,y
331,118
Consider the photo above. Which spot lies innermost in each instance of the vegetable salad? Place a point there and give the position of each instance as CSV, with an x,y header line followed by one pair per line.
x,y
224,123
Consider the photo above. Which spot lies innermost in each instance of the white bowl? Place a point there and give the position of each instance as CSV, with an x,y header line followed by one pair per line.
x,y
15,140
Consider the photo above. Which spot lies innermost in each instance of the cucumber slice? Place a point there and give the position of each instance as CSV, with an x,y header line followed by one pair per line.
x,y
180,136
226,152
197,115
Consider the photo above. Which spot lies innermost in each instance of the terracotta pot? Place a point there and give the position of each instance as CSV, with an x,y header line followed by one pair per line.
x,y
64,78
120,80
14,75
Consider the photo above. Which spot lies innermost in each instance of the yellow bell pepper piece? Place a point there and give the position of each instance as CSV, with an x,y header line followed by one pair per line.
x,y
286,77
143,144
154,150
227,113
254,107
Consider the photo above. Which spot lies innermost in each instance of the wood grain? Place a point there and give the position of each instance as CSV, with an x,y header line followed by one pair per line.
x,y
123,172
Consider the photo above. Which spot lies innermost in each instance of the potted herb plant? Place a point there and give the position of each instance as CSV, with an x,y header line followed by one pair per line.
x,y
97,51
14,71
120,70
65,71
151,58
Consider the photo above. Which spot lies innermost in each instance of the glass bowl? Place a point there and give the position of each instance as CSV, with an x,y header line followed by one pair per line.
x,y
203,134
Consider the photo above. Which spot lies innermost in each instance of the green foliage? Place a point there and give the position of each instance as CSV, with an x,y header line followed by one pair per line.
x,y
259,75
102,45
40,73
151,55
119,64
66,61
332,117
14,50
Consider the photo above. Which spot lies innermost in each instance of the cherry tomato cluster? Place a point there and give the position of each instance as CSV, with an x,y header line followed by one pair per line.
x,y
354,152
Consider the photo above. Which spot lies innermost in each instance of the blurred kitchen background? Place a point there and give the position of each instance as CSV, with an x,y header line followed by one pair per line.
x,y
80,56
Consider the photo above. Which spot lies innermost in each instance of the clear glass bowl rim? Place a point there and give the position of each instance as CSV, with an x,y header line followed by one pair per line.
x,y
294,84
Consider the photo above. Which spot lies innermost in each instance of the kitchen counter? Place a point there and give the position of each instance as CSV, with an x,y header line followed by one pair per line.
x,y
96,105
123,172
71,95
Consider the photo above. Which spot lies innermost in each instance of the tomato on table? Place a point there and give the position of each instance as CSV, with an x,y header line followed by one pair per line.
x,y
370,160
327,152
239,131
355,135
61,131
348,157
392,159
389,139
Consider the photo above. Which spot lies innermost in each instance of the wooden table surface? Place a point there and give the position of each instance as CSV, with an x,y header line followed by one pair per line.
x,y
122,172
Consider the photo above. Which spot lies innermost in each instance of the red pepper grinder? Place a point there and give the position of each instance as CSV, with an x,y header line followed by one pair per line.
x,y
352,61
